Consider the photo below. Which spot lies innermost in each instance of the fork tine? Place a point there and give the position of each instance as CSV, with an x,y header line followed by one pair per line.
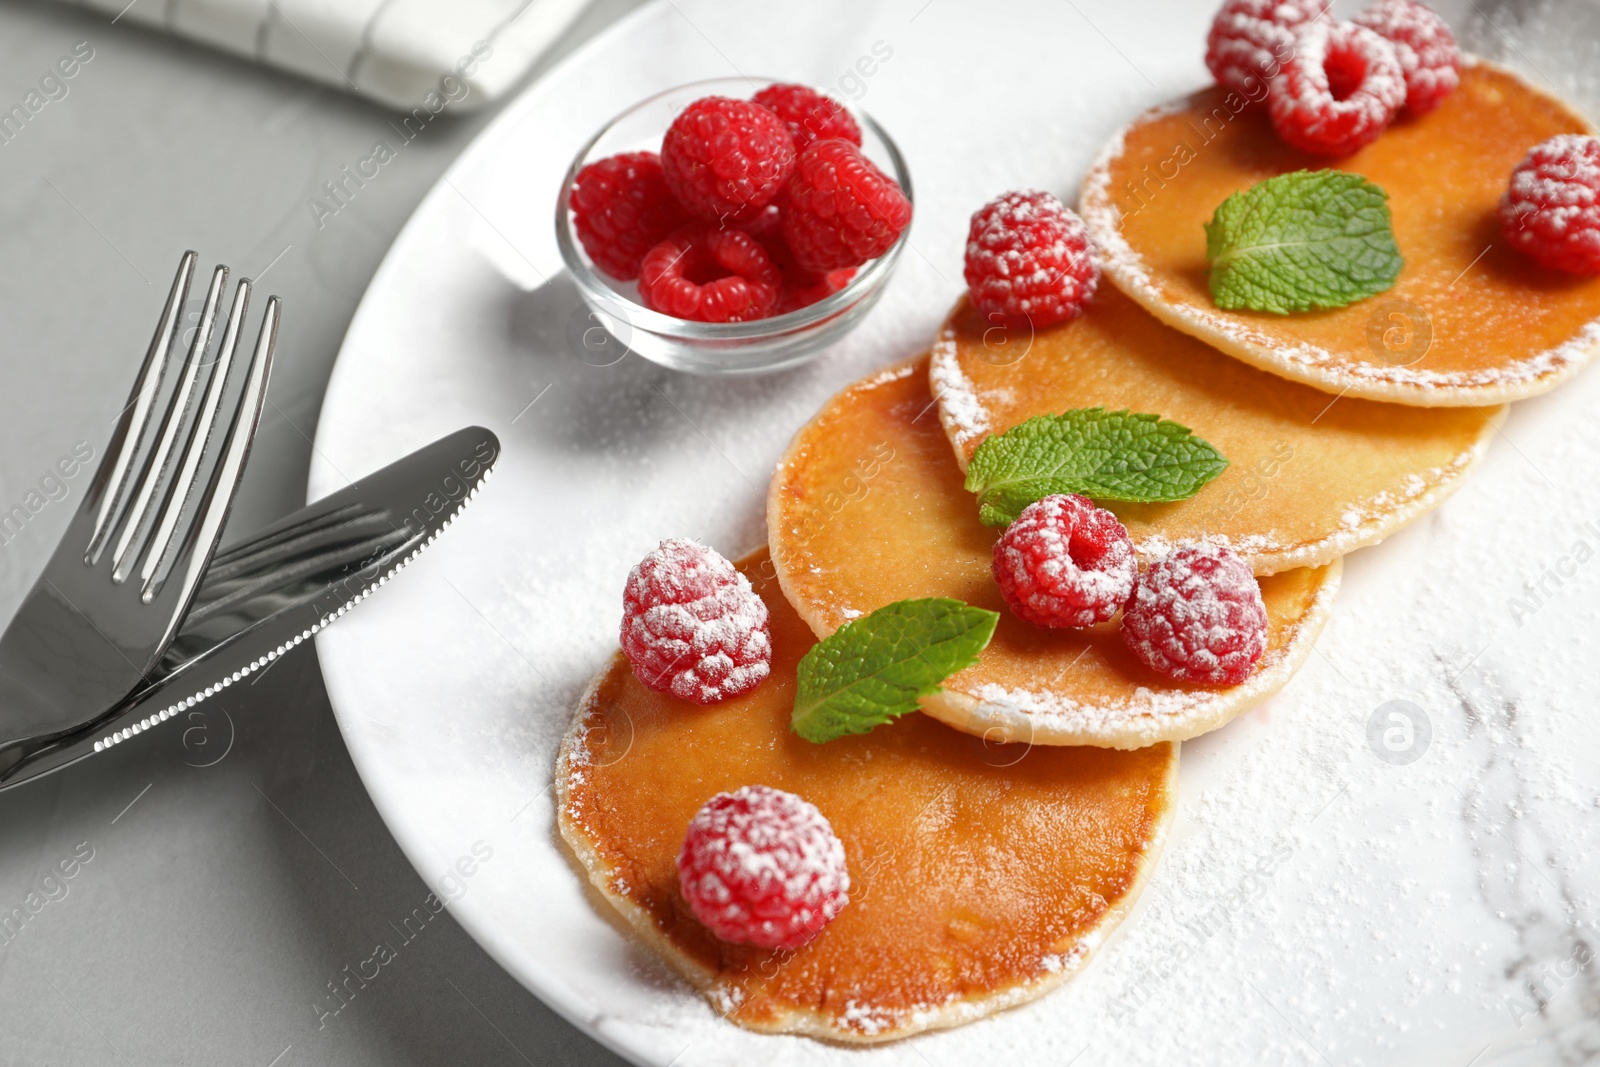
x,y
171,423
118,463
218,498
178,492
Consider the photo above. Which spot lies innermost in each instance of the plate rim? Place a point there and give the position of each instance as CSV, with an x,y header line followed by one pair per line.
x,y
525,970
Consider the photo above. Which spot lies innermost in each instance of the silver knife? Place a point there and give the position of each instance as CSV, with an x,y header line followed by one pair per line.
x,y
261,598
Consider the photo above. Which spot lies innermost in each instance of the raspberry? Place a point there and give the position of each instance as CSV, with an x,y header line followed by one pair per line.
x,y
621,207
766,226
1198,616
1250,40
841,209
1030,260
1339,91
1551,210
810,115
1427,49
1065,562
801,287
804,289
710,275
763,867
726,159
692,626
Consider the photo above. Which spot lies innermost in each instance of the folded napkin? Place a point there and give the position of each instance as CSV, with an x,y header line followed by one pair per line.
x,y
404,53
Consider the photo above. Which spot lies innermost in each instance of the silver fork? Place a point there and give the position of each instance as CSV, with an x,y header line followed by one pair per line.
x,y
86,635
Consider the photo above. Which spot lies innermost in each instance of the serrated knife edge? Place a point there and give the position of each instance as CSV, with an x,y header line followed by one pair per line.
x,y
416,497
116,737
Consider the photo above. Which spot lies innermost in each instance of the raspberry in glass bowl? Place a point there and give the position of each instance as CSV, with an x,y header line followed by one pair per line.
x,y
645,213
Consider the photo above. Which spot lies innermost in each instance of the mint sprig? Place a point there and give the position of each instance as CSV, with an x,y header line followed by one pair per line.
x,y
873,669
1104,455
1300,241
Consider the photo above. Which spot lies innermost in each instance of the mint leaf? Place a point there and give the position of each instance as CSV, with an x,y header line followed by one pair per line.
x,y
873,669
1310,239
1105,455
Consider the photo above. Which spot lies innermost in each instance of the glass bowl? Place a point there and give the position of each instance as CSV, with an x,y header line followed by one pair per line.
x,y
717,347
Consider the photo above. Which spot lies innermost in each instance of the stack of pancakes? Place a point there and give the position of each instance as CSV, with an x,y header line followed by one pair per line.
x,y
992,850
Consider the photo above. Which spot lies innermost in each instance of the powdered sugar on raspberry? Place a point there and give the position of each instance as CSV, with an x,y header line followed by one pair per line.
x,y
1250,39
1029,260
692,626
761,866
1065,563
1198,616
1578,156
1339,91
1429,57
1551,209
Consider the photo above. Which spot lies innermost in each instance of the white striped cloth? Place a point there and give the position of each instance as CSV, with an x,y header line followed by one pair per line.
x,y
398,52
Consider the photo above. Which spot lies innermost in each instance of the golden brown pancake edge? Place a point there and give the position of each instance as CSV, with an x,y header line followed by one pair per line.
x,y
1252,338
572,775
1106,700
962,400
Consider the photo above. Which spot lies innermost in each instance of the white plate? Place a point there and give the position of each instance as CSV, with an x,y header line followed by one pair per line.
x,y
1315,901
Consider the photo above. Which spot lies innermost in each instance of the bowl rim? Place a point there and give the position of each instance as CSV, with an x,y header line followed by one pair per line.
x,y
637,316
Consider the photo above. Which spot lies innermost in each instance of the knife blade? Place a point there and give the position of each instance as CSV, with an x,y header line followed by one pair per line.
x,y
266,595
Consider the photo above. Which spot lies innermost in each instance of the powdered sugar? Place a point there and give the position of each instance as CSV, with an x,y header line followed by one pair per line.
x,y
692,626
890,374
1339,91
869,1019
1029,261
1250,39
1551,211
1426,48
1065,562
764,867
963,415
1198,616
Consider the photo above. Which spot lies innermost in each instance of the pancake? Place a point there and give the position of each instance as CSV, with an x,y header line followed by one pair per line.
x,y
1501,326
981,875
867,508
1307,480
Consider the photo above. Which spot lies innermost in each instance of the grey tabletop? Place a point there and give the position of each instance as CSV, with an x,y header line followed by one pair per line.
x,y
228,870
